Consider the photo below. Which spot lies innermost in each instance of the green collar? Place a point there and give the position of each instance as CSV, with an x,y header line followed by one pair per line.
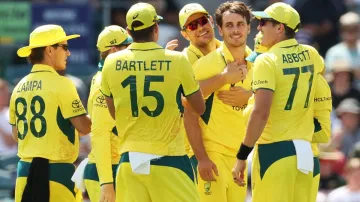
x,y
101,64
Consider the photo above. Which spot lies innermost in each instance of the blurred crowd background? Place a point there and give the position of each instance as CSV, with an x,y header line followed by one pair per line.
x,y
332,26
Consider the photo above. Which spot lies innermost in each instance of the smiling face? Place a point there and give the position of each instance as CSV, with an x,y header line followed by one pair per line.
x,y
202,35
234,29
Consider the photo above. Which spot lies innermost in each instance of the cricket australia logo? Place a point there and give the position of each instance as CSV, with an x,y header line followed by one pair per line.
x,y
207,187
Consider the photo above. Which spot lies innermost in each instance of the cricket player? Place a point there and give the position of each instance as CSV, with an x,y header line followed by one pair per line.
x,y
322,111
104,157
216,146
143,86
46,113
281,122
197,26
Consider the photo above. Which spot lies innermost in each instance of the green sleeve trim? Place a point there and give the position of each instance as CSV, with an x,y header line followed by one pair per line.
x,y
263,89
13,124
110,96
106,183
76,116
193,92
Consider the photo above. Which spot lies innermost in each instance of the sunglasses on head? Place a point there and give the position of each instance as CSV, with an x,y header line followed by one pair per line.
x,y
263,21
63,46
194,24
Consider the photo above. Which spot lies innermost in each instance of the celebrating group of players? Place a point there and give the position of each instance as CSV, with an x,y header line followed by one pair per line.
x,y
176,126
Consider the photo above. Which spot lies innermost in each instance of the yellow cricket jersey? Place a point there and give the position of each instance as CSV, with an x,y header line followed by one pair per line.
x,y
104,139
290,70
146,82
222,127
322,110
192,53
41,106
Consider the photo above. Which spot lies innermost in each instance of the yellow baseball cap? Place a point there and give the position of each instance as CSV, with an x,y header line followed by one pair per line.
x,y
188,10
111,36
282,13
144,13
258,48
43,36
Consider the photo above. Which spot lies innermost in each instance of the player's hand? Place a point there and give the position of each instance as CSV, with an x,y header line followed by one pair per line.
x,y
238,172
206,168
107,193
236,96
234,72
171,45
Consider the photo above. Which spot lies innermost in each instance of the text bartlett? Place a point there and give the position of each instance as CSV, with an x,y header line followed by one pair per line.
x,y
153,65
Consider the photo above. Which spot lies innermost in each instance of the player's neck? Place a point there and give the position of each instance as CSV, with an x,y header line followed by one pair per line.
x,y
208,48
238,53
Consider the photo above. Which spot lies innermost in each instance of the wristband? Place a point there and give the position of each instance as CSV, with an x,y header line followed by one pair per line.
x,y
243,152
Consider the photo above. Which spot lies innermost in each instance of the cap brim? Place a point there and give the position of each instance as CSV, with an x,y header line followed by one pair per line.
x,y
127,41
252,56
26,51
260,14
192,13
159,17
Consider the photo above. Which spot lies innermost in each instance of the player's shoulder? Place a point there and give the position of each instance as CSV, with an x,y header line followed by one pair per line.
x,y
210,59
311,49
96,80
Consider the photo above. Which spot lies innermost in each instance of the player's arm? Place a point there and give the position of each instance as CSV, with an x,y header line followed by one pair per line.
x,y
211,81
72,108
190,87
101,131
14,133
105,90
12,117
264,91
322,111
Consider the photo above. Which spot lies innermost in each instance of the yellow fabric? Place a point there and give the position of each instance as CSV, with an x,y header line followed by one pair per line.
x,y
322,110
292,109
58,192
224,189
188,10
151,121
163,184
281,12
291,184
144,13
93,189
104,143
192,54
111,36
44,36
315,188
220,133
41,106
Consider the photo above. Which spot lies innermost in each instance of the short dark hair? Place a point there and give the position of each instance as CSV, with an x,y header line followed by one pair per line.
x,y
36,56
289,32
104,54
237,7
144,35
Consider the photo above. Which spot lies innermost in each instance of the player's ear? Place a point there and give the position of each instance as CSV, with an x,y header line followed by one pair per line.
x,y
211,21
184,34
220,30
48,51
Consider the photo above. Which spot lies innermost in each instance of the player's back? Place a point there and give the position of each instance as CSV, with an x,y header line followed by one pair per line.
x,y
146,82
294,69
41,105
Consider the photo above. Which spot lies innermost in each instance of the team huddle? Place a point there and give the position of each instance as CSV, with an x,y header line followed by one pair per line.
x,y
175,126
